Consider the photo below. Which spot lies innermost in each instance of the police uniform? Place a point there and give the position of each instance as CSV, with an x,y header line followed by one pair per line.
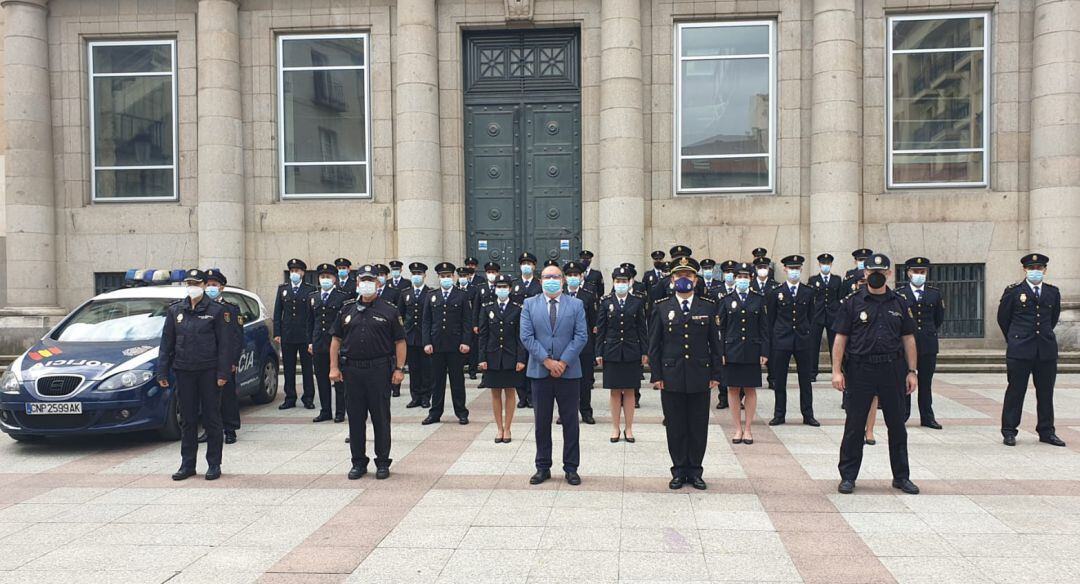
x,y
325,307
485,291
743,322
850,283
196,349
499,344
447,324
829,290
587,357
472,292
292,323
411,309
684,354
368,334
928,310
791,313
651,277
727,286
874,364
712,284
400,282
1027,315
346,283
759,285
592,280
230,403
525,288
622,337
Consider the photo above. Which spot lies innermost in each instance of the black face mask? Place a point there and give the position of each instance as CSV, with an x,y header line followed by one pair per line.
x,y
658,265
876,280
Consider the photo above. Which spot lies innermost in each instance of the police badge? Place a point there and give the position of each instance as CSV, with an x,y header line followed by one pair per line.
x,y
734,304
611,307
348,318
491,314
284,293
180,318
1023,297
671,315
863,316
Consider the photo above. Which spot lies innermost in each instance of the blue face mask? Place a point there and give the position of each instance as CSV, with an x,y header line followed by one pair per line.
x,y
343,274
742,285
326,283
1035,276
825,269
552,286
707,274
213,292
382,280
395,274
417,280
502,293
622,288
860,265
462,281
446,283
918,279
683,285
793,275
729,277
526,269
295,277
573,281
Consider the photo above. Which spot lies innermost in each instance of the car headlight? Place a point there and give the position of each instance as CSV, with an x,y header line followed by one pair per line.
x,y
9,384
126,380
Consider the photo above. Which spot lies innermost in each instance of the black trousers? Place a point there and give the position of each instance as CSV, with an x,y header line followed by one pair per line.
x,y
548,392
448,364
687,426
588,381
927,366
1043,373
230,406
778,364
815,333
289,351
419,373
864,381
321,361
198,392
473,359
524,392
368,393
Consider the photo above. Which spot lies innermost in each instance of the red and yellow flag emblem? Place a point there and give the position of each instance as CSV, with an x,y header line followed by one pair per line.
x,y
43,353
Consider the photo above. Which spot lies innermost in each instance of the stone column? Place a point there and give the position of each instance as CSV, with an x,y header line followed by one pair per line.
x,y
417,157
835,151
221,147
31,201
622,203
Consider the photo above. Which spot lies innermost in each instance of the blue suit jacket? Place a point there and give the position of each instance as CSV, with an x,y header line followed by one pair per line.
x,y
562,344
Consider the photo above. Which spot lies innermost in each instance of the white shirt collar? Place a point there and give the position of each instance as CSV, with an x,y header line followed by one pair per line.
x,y
1032,286
548,299
917,288
690,300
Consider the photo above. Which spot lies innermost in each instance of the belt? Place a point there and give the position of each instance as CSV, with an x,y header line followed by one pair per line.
x,y
363,363
874,358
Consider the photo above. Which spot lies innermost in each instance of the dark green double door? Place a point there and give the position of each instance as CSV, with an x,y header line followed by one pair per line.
x,y
522,145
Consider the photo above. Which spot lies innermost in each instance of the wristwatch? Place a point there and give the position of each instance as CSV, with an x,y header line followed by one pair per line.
x,y
401,369
915,371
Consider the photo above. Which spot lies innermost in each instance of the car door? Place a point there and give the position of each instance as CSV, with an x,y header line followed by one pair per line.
x,y
247,372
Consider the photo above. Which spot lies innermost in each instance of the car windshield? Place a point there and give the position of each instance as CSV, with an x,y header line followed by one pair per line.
x,y
122,319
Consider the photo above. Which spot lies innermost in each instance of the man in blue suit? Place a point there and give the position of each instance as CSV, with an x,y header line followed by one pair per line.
x,y
554,331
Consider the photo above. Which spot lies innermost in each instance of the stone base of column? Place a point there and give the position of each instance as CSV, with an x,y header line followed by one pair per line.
x,y
23,326
1068,328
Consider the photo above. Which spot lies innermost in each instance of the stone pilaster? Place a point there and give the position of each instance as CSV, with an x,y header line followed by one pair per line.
x,y
30,201
417,158
835,151
622,203
221,147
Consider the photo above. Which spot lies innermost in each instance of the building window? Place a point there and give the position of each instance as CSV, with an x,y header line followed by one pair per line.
x,y
323,116
108,281
939,98
724,114
133,120
961,287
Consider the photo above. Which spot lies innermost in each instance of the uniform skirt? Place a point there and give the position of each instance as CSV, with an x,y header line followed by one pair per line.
x,y
742,375
622,375
502,379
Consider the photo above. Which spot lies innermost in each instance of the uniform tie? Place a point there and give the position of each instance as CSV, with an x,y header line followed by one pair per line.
x,y
325,295
686,307
552,304
793,292
742,297
622,303
918,295
502,307
1037,293
445,296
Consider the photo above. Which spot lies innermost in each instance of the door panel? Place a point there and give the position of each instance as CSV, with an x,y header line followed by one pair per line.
x,y
553,179
492,181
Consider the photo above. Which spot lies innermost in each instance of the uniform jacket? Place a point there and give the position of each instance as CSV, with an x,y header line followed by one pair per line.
x,y
790,319
875,324
390,294
498,342
323,315
411,308
236,327
563,343
713,288
649,279
292,313
588,299
928,312
484,293
744,328
828,298
622,333
402,284
447,323
593,281
195,339
684,351
348,286
1028,324
757,287
520,291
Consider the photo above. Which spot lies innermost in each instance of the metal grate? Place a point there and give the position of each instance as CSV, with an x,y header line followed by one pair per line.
x,y
107,282
963,287
58,385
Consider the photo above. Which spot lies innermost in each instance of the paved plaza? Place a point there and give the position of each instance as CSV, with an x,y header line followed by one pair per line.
x,y
458,507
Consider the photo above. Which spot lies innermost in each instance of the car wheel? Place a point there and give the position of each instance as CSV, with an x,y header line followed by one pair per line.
x,y
268,385
27,437
171,429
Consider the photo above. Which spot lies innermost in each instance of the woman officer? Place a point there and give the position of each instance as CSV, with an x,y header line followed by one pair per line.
x,y
621,346
743,322
502,356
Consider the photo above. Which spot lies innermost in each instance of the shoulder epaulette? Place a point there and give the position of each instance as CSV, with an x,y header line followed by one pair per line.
x,y
606,296
1049,285
1013,285
929,287
177,301
636,293
348,302
229,302
707,299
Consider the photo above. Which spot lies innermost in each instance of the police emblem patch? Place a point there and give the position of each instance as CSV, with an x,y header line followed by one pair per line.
x,y
611,307
348,318
491,314
671,315
780,296
863,316
180,317
1023,297
734,304
227,317
284,293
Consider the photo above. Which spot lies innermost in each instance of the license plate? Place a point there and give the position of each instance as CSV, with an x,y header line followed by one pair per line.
x,y
53,408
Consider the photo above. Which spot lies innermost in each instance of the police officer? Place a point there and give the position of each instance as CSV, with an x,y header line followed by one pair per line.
x,y
382,288
526,286
711,278
729,268
196,347
743,321
366,352
465,279
656,274
292,327
829,290
472,266
875,355
576,288
230,404
326,304
485,288
763,281
503,356
928,310
791,314
411,309
447,334
622,345
685,360
850,283
592,280
1027,315
759,253
397,280
635,286
346,281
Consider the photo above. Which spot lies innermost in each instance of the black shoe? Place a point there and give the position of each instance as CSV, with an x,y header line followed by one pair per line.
x,y
637,405
846,487
813,378
357,471
698,483
382,473
558,421
348,439
230,437
521,405
430,420
426,404
287,404
932,424
412,404
202,438
811,421
539,477
396,392
1009,441
339,418
615,439
323,417
1052,440
777,421
472,376
213,473
676,483
529,405
869,441
588,419
464,420
771,385
905,485
183,473
309,405
573,479
722,405
629,439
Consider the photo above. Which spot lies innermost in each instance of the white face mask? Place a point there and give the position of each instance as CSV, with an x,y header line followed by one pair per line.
x,y
365,288
194,292
763,273
491,277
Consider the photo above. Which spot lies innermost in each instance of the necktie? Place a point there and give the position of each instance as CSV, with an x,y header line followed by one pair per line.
x,y
686,307
502,307
325,295
445,296
793,292
622,303
1037,293
918,295
551,312
742,297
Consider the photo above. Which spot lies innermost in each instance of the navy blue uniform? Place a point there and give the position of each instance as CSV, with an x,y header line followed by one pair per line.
x,y
1027,319
292,322
790,324
593,281
928,310
498,343
325,307
518,294
230,403
447,324
830,290
744,328
411,309
587,358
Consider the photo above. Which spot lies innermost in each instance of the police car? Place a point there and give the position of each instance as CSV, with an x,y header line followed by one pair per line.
x,y
94,372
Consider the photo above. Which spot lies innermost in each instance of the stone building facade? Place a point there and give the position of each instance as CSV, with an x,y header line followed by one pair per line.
x,y
1006,179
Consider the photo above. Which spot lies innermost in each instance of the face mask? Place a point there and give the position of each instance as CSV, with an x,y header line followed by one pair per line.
x,y
763,273
573,281
742,285
417,280
586,263
213,292
622,288
861,265
825,269
194,292
446,283
365,288
294,277
793,275
502,293
1035,276
463,281
526,269
918,279
658,265
552,286
491,277
343,274
708,274
395,274
875,280
729,277
326,283
382,280
683,285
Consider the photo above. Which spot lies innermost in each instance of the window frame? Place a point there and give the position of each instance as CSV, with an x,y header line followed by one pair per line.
x,y
281,70
890,184
773,93
94,167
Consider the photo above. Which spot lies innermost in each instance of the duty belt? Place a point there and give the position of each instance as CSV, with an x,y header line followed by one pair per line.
x,y
875,358
364,363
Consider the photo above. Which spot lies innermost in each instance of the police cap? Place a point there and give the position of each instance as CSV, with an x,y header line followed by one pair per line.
x,y
503,279
743,268
762,261
343,262
621,272
573,267
917,262
195,275
684,264
629,266
382,269
396,264
585,254
551,262
680,251
326,269
792,261
825,258
418,267
1033,259
470,261
657,255
759,252
464,271
491,267
445,268
708,263
862,253
878,261
729,266
216,275
526,257
297,264
366,271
